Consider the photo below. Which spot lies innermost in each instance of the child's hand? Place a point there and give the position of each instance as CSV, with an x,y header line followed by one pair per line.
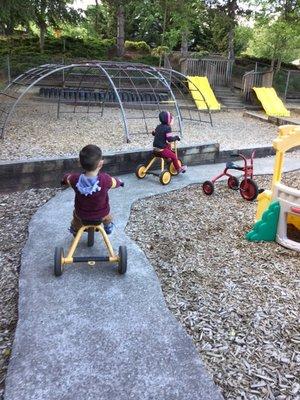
x,y
64,185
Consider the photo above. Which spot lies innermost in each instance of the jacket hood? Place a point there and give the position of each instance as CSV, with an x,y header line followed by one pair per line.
x,y
165,117
88,185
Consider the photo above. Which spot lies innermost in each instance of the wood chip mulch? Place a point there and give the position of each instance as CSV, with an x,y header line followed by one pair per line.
x,y
16,209
238,300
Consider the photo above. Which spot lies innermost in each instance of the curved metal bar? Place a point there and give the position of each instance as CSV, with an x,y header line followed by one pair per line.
x,y
61,68
139,97
163,79
185,77
177,86
119,100
64,76
25,74
27,89
79,86
152,88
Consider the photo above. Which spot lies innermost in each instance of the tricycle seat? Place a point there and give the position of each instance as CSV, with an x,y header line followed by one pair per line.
x,y
95,223
232,165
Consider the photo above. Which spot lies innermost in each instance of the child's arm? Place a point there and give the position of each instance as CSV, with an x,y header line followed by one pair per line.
x,y
65,181
116,182
170,138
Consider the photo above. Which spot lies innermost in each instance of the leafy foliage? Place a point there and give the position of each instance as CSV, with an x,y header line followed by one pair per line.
x,y
137,46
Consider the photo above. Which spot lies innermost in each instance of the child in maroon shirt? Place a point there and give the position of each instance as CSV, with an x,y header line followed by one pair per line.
x,y
163,137
91,190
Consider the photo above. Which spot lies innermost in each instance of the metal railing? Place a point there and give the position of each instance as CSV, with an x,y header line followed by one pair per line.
x,y
218,72
255,79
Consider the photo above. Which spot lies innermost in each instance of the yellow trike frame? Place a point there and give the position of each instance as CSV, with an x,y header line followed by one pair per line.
x,y
165,175
90,227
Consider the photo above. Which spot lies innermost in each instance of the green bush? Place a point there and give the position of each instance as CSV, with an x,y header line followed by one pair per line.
x,y
142,47
160,51
24,52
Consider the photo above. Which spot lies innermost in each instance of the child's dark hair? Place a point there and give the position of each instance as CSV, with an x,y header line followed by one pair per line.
x,y
90,156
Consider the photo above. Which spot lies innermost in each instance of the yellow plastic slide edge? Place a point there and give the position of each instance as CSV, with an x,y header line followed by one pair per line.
x,y
271,103
201,83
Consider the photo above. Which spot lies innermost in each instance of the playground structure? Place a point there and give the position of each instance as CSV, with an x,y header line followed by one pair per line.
x,y
248,187
271,103
200,84
92,86
278,212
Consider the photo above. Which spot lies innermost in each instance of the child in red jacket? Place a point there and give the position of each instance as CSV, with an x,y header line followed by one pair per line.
x,y
163,137
91,190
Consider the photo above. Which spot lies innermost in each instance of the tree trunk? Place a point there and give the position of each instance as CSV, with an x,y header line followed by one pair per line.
x,y
232,8
97,16
42,37
278,65
184,50
231,44
163,32
120,30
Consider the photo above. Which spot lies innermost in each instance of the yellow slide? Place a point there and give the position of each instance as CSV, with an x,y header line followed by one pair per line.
x,y
271,103
201,83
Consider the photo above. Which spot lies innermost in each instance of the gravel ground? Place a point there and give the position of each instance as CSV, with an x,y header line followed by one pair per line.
x,y
16,210
35,131
239,301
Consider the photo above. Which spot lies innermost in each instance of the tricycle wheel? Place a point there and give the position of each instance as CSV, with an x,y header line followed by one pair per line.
x,y
208,187
122,267
165,177
172,169
140,171
91,237
233,183
58,264
248,189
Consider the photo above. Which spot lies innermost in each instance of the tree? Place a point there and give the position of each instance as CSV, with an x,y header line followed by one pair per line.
x,y
99,21
277,31
118,9
242,36
52,13
279,41
13,13
225,13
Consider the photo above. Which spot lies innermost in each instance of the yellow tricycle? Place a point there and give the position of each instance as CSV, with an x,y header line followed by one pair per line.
x,y
90,227
167,168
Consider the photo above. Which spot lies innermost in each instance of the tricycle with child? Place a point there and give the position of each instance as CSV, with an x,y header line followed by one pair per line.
x,y
91,211
165,150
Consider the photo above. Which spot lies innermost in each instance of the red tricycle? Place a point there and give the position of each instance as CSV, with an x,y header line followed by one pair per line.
x,y
248,187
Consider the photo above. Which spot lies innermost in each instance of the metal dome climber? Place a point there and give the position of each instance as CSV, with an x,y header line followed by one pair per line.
x,y
95,85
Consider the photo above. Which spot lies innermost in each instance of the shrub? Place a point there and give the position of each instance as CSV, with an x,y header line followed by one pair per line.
x,y
142,47
160,51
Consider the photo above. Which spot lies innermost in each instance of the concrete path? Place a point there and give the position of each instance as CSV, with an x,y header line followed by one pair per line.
x,y
93,334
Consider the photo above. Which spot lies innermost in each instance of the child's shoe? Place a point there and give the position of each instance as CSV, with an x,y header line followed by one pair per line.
x,y
183,169
72,231
108,228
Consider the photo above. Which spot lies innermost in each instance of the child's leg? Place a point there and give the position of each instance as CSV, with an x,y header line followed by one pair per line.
x,y
108,224
167,153
76,224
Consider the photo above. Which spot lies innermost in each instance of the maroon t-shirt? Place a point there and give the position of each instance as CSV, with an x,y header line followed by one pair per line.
x,y
96,205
